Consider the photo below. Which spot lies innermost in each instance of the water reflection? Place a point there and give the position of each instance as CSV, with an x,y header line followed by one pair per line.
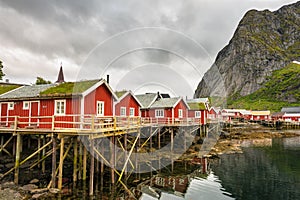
x,y
187,187
271,172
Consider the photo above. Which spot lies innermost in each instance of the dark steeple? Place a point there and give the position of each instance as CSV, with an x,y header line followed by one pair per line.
x,y
60,78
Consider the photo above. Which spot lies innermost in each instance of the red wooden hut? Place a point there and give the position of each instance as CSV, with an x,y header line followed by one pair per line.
x,y
169,110
127,104
198,111
39,105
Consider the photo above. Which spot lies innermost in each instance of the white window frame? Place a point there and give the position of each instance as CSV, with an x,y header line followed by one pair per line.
x,y
26,105
123,111
180,113
197,114
59,111
10,106
131,112
100,112
159,113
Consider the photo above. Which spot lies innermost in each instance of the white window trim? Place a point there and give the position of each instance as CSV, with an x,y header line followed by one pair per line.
x,y
131,112
55,108
123,109
197,114
10,106
180,113
158,112
97,107
26,107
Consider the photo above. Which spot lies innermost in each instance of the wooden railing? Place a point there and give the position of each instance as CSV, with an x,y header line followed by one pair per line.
x,y
88,122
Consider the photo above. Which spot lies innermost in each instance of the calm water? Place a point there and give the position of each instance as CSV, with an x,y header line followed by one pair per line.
x,y
269,172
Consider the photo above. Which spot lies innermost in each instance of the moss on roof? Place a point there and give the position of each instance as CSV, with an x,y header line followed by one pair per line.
x,y
7,88
120,93
69,88
197,106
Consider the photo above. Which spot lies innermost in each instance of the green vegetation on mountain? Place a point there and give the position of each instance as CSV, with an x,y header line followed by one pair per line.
x,y
281,89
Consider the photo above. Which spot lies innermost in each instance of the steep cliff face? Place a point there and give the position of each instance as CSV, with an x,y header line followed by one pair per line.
x,y
264,41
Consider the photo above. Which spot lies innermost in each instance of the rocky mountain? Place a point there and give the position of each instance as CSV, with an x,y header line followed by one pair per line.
x,y
264,41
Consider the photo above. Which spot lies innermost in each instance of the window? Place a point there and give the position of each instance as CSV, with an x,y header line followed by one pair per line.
x,y
100,108
123,111
131,112
11,106
159,113
25,105
197,114
60,107
180,113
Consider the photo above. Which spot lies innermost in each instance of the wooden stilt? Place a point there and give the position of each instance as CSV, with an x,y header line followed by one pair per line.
x,y
172,148
61,162
39,146
53,160
43,155
2,141
75,143
125,152
17,162
91,191
80,162
84,163
28,142
112,161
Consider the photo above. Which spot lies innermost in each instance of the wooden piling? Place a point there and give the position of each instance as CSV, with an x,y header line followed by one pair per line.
x,y
112,158
80,161
61,162
54,144
92,165
43,155
84,163
75,143
17,161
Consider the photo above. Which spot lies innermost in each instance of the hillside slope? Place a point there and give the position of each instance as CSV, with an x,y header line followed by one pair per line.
x,y
264,41
281,89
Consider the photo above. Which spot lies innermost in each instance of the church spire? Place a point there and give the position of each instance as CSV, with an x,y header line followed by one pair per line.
x,y
60,78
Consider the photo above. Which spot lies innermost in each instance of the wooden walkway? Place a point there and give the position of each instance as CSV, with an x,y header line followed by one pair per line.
x,y
61,134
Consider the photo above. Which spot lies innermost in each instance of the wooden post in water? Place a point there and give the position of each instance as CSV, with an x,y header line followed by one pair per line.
x,y
43,154
17,162
75,143
172,148
53,174
39,146
112,158
80,161
84,163
125,153
61,162
91,191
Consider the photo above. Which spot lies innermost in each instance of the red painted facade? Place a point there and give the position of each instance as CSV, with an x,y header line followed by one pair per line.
x,y
128,102
40,111
102,93
203,115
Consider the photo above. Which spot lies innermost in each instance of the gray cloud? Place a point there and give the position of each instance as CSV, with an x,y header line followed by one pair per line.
x,y
37,35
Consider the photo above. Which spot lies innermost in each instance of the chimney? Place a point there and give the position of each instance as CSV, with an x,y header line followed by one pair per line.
x,y
107,78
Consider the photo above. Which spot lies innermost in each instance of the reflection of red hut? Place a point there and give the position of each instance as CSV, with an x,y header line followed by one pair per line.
x,y
178,184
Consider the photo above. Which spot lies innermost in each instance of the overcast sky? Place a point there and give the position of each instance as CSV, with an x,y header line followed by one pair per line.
x,y
145,45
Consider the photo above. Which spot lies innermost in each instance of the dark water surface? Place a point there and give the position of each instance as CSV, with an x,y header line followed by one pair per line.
x,y
271,171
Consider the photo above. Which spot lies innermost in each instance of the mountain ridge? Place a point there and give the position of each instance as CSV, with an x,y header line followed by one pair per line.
x,y
264,41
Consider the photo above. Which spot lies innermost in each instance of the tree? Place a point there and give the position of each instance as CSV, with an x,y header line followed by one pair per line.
x,y
41,81
1,72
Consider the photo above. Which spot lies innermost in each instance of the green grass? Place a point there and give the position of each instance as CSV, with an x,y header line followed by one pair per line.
x,y
69,88
7,88
282,85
